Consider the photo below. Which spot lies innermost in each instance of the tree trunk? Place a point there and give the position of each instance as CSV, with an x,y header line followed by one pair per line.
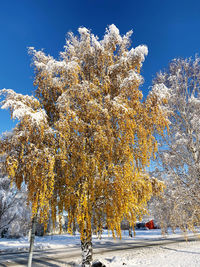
x,y
87,251
74,228
130,231
32,238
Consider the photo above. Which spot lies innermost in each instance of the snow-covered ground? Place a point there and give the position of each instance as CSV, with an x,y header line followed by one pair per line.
x,y
175,254
172,255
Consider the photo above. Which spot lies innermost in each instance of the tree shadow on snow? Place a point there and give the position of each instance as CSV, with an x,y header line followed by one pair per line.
x,y
179,250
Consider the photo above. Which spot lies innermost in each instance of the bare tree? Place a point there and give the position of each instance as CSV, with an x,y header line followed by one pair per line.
x,y
179,157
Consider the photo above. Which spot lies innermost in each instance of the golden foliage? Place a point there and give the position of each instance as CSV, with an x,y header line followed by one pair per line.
x,y
103,134
29,159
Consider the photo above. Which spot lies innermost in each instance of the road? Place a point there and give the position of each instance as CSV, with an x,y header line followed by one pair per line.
x,y
64,256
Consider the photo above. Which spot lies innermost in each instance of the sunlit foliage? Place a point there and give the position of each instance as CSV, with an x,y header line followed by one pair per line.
x,y
84,140
104,129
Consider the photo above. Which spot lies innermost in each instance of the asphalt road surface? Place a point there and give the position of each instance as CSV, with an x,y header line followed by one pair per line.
x,y
64,256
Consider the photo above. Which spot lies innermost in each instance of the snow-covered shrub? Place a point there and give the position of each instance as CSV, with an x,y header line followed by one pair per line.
x,y
14,215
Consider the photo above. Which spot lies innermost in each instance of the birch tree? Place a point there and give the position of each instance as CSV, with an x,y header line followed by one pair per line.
x,y
92,97
29,158
180,149
102,134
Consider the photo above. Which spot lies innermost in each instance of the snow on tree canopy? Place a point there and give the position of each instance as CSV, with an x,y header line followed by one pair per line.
x,y
180,149
22,106
161,91
92,165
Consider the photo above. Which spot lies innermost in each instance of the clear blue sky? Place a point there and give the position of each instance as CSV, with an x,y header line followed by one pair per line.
x,y
169,28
